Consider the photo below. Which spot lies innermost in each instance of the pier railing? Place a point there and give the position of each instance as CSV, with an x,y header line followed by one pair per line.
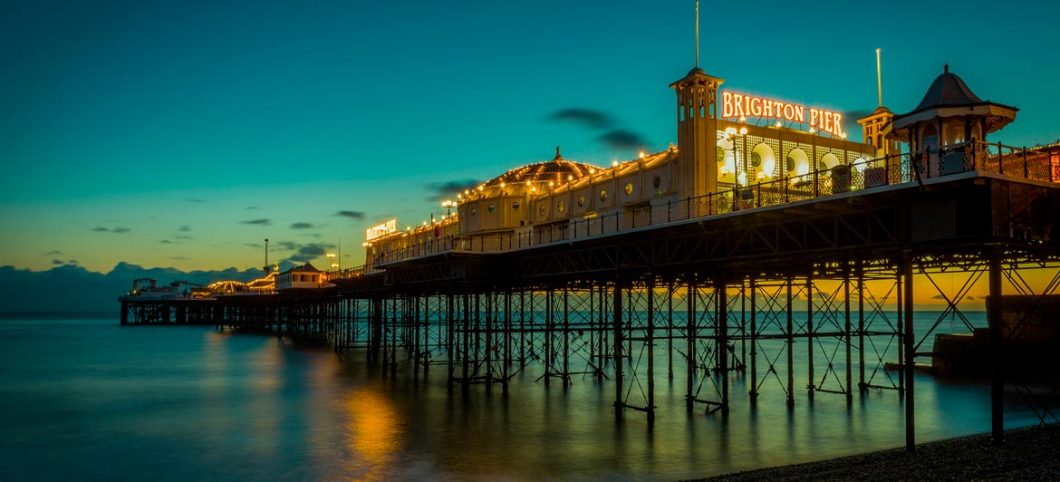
x,y
847,179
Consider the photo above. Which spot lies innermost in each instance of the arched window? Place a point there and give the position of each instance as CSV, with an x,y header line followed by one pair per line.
x,y
798,163
763,161
828,161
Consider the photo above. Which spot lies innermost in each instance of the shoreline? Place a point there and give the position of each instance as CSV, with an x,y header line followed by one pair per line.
x,y
1031,453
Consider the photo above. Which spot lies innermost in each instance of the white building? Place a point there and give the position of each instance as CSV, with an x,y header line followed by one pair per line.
x,y
305,276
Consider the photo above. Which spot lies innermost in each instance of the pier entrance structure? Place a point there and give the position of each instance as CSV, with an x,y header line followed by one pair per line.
x,y
764,237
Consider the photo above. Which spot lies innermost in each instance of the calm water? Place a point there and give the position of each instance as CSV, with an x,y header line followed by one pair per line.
x,y
86,399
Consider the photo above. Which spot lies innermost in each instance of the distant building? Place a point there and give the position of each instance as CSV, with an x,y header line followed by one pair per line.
x,y
305,276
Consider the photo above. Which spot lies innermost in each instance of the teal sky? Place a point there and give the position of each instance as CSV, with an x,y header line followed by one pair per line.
x,y
159,132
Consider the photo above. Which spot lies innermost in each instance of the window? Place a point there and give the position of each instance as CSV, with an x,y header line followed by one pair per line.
x,y
656,182
581,201
491,208
515,205
629,189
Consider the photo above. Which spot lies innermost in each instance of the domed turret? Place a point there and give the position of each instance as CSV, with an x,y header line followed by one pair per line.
x,y
556,171
948,129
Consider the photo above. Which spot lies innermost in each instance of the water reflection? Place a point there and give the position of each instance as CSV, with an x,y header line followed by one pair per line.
x,y
373,433
108,403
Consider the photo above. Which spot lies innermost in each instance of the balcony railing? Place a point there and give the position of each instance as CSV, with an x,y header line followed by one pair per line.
x,y
865,175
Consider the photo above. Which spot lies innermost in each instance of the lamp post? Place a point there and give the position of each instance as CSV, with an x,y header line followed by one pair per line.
x,y
448,205
331,260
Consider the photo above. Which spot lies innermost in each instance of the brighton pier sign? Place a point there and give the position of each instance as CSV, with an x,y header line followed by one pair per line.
x,y
735,105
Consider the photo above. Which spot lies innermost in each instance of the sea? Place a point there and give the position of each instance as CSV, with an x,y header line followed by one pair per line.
x,y
83,398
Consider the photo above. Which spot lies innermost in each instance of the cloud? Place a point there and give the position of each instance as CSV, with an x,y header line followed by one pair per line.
x,y
301,225
254,245
258,222
853,115
166,241
251,208
58,262
309,252
116,229
195,200
448,188
184,229
354,215
178,258
622,139
588,117
53,252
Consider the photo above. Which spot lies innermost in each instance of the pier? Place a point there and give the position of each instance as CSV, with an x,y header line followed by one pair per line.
x,y
719,293
791,259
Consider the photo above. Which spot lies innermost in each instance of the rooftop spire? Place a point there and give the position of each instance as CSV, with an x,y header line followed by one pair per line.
x,y
946,68
879,80
696,33
558,156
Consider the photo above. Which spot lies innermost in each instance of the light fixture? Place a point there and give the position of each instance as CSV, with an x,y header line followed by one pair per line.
x,y
779,124
614,163
743,131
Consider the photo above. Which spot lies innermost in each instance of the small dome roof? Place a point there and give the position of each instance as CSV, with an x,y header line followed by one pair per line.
x,y
948,90
949,96
557,170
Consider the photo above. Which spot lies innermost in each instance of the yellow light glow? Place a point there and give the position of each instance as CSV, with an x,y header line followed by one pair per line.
x,y
614,163
730,131
779,124
743,131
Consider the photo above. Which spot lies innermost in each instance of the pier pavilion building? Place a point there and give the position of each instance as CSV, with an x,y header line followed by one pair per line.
x,y
734,151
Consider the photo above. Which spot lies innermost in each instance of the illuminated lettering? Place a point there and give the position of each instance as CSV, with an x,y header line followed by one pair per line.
x,y
735,105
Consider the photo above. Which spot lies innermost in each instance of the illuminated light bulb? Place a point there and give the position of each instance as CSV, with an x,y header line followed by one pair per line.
x,y
570,177
502,185
813,130
642,154
742,178
614,163
779,124
743,118
843,135
467,192
592,171
729,131
550,184
425,223
743,131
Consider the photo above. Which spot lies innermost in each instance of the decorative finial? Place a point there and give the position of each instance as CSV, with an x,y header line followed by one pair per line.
x,y
558,156
697,33
946,68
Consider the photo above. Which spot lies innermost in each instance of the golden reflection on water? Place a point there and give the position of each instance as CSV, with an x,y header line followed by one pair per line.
x,y
373,430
